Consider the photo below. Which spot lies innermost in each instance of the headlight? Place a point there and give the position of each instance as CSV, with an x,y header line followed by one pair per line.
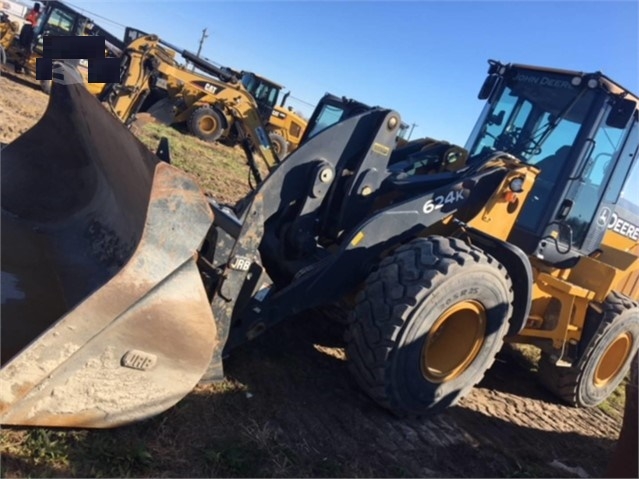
x,y
516,185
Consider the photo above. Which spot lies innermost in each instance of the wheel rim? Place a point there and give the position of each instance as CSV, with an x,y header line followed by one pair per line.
x,y
454,341
207,124
613,360
276,147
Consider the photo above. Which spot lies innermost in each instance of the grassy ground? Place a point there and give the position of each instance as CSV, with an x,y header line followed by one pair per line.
x,y
220,171
173,445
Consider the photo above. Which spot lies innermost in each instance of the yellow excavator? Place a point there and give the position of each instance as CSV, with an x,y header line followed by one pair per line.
x,y
124,286
283,125
221,109
212,106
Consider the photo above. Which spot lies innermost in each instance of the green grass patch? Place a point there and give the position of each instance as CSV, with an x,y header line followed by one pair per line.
x,y
221,171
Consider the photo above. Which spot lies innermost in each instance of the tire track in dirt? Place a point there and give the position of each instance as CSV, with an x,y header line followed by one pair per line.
x,y
508,425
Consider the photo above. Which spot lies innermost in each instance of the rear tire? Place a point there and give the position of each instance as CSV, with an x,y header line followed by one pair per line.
x,y
206,123
428,324
279,145
605,360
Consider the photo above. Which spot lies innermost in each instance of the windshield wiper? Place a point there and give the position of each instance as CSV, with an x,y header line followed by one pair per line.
x,y
551,125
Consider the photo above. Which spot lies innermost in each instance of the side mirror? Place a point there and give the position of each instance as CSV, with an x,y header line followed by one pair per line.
x,y
621,113
488,87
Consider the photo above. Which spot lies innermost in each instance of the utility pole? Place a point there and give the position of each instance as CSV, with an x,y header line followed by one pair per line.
x,y
199,50
411,130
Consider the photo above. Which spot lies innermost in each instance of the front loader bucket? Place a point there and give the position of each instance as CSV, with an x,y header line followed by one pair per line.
x,y
105,320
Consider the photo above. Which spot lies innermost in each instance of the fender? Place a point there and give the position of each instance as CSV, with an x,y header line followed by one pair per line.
x,y
519,268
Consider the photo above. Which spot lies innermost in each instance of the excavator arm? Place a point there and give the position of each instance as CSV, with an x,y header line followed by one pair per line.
x,y
147,64
140,64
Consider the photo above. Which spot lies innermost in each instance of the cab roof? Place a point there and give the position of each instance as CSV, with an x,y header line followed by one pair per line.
x,y
611,85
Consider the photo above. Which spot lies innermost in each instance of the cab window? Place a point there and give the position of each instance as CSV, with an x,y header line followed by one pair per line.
x,y
329,115
59,22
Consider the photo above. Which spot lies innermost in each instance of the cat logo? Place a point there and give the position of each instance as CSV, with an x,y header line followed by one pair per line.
x,y
211,88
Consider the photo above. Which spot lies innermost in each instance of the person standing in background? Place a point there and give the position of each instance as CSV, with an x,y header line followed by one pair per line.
x,y
33,16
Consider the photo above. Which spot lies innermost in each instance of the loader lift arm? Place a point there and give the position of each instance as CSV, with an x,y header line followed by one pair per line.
x,y
301,265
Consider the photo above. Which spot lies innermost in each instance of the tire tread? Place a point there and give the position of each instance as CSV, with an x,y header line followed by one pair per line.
x,y
564,382
378,318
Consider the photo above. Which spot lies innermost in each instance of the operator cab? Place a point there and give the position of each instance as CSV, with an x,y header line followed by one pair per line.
x,y
264,91
581,131
58,19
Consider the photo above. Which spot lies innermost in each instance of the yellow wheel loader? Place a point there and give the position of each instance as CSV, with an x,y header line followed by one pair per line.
x,y
286,127
124,286
22,48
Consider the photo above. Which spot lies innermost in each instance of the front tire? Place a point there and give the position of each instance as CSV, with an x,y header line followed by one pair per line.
x,y
605,360
428,324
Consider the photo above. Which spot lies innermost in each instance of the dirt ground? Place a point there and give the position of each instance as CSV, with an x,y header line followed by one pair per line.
x,y
21,105
297,393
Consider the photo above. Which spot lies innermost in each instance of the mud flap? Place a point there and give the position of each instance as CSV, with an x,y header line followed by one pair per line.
x,y
105,320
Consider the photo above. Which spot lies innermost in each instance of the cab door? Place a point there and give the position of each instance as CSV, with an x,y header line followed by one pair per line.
x,y
592,193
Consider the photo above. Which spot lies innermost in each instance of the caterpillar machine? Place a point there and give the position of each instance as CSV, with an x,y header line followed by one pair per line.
x,y
124,286
284,126
217,106
21,47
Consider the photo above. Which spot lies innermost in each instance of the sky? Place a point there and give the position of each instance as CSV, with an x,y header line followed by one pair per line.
x,y
424,59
